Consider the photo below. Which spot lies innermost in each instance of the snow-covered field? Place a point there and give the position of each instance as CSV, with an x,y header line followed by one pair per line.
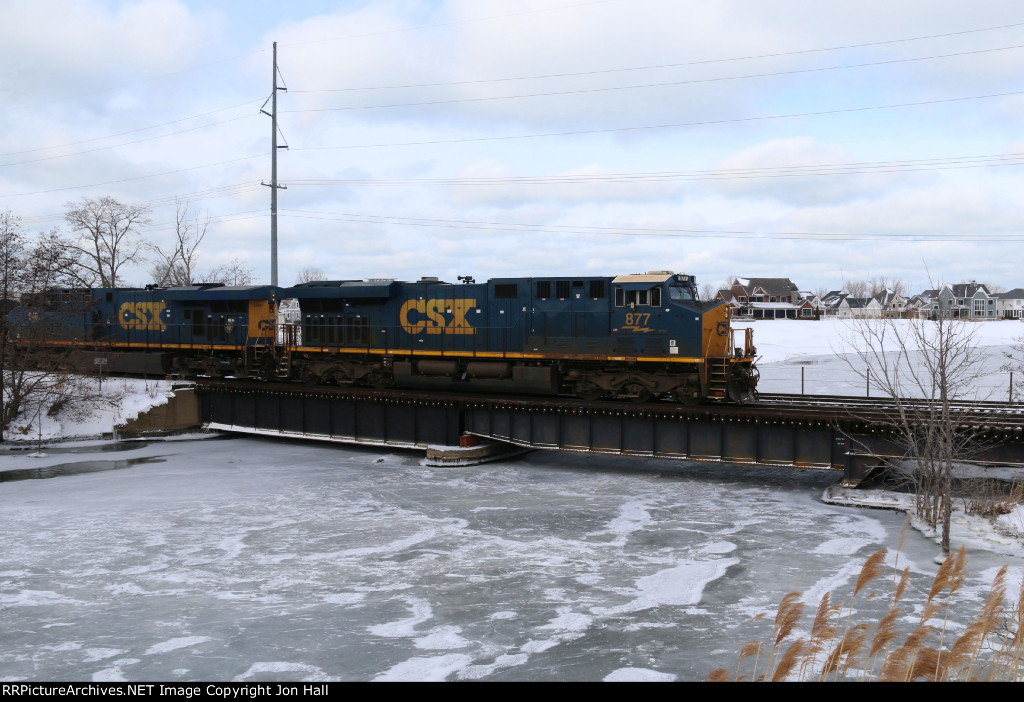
x,y
822,355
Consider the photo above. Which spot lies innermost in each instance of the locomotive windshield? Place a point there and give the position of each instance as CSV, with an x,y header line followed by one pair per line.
x,y
681,292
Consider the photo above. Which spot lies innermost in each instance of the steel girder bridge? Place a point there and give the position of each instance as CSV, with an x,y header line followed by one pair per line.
x,y
824,433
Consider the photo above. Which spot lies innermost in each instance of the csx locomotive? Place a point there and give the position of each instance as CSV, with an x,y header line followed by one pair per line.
x,y
633,337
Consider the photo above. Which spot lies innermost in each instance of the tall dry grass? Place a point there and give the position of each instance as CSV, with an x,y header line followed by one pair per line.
x,y
900,646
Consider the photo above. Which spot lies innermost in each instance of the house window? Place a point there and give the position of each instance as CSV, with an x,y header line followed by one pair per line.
x,y
773,299
979,307
742,298
805,312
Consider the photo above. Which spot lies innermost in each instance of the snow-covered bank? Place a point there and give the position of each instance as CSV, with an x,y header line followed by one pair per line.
x,y
125,399
1002,535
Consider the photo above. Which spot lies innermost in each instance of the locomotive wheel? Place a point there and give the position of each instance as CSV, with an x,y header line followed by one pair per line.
x,y
586,390
380,381
635,391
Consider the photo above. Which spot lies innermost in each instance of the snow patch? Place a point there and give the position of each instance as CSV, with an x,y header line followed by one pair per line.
x,y
638,675
175,644
425,669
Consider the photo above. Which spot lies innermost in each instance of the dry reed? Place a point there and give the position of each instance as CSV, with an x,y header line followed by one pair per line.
x,y
991,647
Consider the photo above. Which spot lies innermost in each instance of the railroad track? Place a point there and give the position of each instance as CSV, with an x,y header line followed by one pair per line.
x,y
998,416
967,410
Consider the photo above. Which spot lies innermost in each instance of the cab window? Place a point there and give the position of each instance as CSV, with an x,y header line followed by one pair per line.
x,y
678,292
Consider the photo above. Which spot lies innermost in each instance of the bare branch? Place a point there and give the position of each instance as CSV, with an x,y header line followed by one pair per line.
x,y
108,237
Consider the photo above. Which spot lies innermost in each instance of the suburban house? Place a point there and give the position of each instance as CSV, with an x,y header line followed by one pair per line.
x,y
1010,304
961,301
887,303
891,303
859,308
767,298
830,303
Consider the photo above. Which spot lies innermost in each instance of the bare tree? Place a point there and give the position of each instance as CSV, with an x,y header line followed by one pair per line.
x,y
178,264
925,367
708,291
12,272
310,274
38,304
108,238
856,288
231,273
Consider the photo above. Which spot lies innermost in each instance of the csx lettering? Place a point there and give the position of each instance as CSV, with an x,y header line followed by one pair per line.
x,y
141,315
417,316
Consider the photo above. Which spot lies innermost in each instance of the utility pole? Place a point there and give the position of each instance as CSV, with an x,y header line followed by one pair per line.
x,y
273,184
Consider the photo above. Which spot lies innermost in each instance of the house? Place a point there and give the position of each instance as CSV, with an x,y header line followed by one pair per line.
x,y
975,300
961,301
1010,304
920,305
890,303
767,298
831,301
859,308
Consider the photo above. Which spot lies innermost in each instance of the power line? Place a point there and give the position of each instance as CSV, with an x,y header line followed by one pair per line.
x,y
853,168
151,79
645,231
196,196
693,81
126,180
665,65
665,126
130,131
215,219
127,143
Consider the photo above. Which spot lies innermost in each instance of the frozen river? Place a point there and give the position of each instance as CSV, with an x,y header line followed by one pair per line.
x,y
257,560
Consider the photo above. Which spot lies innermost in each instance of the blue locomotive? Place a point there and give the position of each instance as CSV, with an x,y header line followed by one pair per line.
x,y
632,337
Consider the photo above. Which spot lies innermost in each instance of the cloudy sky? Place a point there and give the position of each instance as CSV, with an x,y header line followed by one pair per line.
x,y
798,138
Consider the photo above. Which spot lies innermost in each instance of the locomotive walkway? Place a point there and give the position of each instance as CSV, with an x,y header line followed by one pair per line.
x,y
819,432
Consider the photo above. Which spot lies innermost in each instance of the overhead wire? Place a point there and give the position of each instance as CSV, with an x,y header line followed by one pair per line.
x,y
852,168
661,66
187,198
784,171
127,143
610,130
663,84
134,178
642,231
130,131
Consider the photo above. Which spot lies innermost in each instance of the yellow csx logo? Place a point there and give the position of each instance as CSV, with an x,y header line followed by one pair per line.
x,y
429,315
141,315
